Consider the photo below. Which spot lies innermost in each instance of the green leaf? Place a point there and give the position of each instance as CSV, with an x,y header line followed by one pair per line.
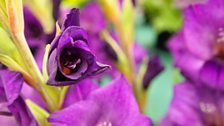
x,y
39,113
163,15
53,92
14,9
44,66
72,3
122,59
128,21
9,62
3,15
111,10
8,48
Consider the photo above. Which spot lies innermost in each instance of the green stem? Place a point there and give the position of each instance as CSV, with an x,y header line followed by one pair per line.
x,y
33,70
136,82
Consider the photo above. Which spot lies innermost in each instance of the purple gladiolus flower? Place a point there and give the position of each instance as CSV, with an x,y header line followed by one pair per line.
x,y
198,48
195,105
112,105
70,58
13,108
154,67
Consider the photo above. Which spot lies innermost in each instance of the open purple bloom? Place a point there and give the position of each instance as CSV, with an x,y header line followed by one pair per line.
x,y
154,67
198,49
112,105
13,107
70,58
194,105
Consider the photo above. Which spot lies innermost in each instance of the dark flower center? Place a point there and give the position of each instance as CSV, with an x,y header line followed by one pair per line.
x,y
69,62
219,45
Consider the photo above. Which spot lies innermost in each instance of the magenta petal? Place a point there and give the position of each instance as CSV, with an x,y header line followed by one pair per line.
x,y
10,88
11,82
154,67
182,110
113,104
72,18
79,92
199,44
202,22
211,74
21,113
139,53
95,21
195,104
188,63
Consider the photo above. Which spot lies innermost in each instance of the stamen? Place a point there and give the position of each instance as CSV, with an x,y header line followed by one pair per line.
x,y
220,37
72,65
207,108
105,123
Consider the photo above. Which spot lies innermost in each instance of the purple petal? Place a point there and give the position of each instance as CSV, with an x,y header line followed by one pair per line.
x,y
205,19
30,93
139,53
188,63
195,104
199,44
21,113
72,19
8,121
154,67
211,74
10,87
79,92
113,104
56,9
11,83
181,110
95,21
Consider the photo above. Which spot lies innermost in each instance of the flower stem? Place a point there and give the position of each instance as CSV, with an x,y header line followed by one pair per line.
x,y
136,82
37,81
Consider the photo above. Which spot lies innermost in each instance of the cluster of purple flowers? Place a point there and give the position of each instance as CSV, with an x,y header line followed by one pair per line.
x,y
76,53
60,84
198,53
